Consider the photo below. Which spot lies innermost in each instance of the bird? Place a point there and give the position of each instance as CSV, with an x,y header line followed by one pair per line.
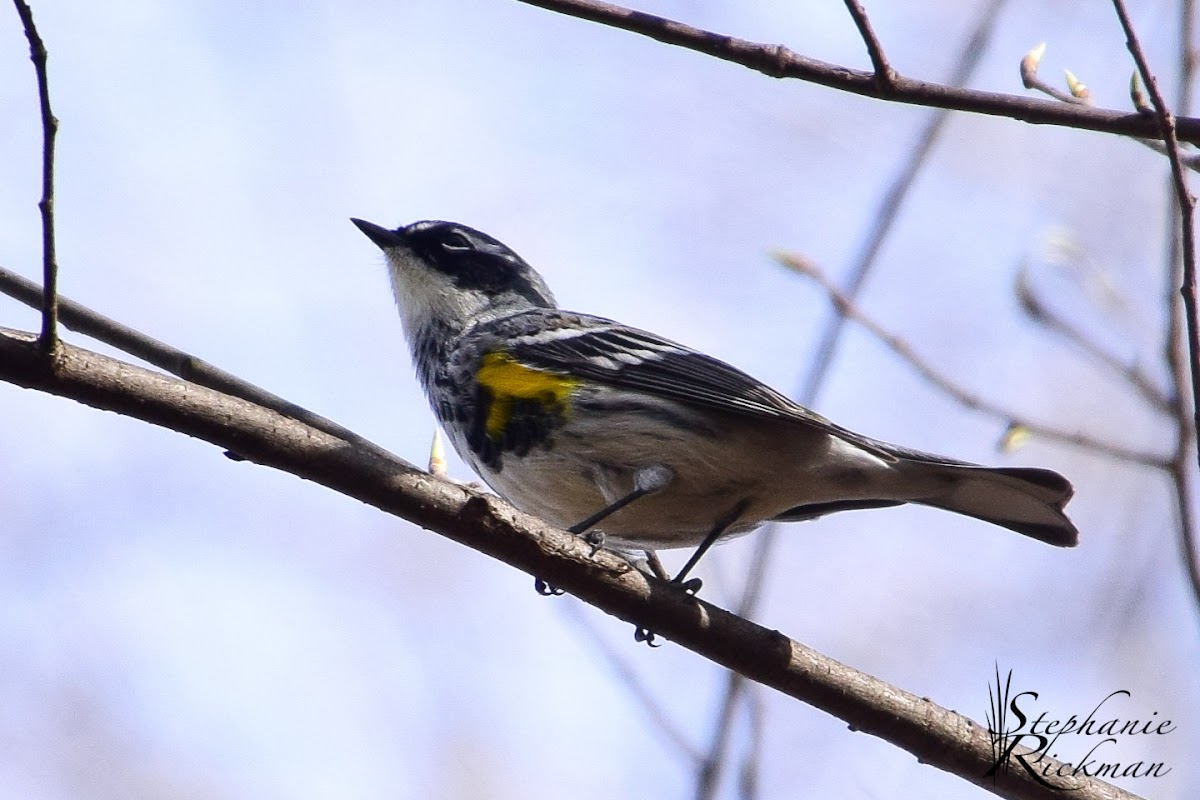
x,y
609,430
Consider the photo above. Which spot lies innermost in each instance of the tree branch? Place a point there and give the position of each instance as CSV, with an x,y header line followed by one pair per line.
x,y
1031,80
37,52
1131,373
485,523
884,73
779,62
81,319
1176,348
902,349
1187,203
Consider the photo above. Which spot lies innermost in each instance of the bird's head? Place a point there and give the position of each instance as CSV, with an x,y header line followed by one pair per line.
x,y
447,274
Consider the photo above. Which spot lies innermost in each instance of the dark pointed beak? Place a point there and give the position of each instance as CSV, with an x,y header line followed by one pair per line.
x,y
382,237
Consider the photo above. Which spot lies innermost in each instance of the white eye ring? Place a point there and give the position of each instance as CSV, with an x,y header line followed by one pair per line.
x,y
457,241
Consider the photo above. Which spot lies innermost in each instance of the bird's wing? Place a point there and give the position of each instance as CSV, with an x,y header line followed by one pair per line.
x,y
608,352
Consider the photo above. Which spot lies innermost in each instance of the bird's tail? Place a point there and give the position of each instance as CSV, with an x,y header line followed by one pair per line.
x,y
1023,499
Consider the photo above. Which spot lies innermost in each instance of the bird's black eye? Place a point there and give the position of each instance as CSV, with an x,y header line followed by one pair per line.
x,y
457,241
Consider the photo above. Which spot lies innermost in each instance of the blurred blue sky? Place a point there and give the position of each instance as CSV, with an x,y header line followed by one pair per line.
x,y
173,624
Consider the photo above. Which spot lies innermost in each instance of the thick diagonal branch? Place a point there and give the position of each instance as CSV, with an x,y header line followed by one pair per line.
x,y
933,734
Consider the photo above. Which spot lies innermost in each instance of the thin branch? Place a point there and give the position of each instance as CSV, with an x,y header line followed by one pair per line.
x,y
1049,318
902,349
779,62
1177,357
935,735
82,319
1187,203
1031,80
1181,483
748,777
708,775
884,73
37,52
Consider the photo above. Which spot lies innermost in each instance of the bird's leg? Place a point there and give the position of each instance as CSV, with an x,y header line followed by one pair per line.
x,y
718,530
693,586
646,480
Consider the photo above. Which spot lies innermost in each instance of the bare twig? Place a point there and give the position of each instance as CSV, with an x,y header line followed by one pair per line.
x,y
1176,347
779,62
1031,80
109,331
1190,160
84,320
708,774
1181,482
884,73
37,52
748,777
1187,203
935,735
1051,319
898,346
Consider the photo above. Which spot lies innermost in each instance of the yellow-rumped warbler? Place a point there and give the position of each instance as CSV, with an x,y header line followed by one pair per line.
x,y
586,422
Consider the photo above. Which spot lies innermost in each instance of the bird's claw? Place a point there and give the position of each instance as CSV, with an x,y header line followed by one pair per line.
x,y
646,635
545,589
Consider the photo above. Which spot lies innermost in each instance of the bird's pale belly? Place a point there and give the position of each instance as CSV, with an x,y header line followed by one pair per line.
x,y
742,474
679,515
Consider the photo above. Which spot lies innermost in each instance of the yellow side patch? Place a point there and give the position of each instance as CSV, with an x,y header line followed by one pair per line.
x,y
509,380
